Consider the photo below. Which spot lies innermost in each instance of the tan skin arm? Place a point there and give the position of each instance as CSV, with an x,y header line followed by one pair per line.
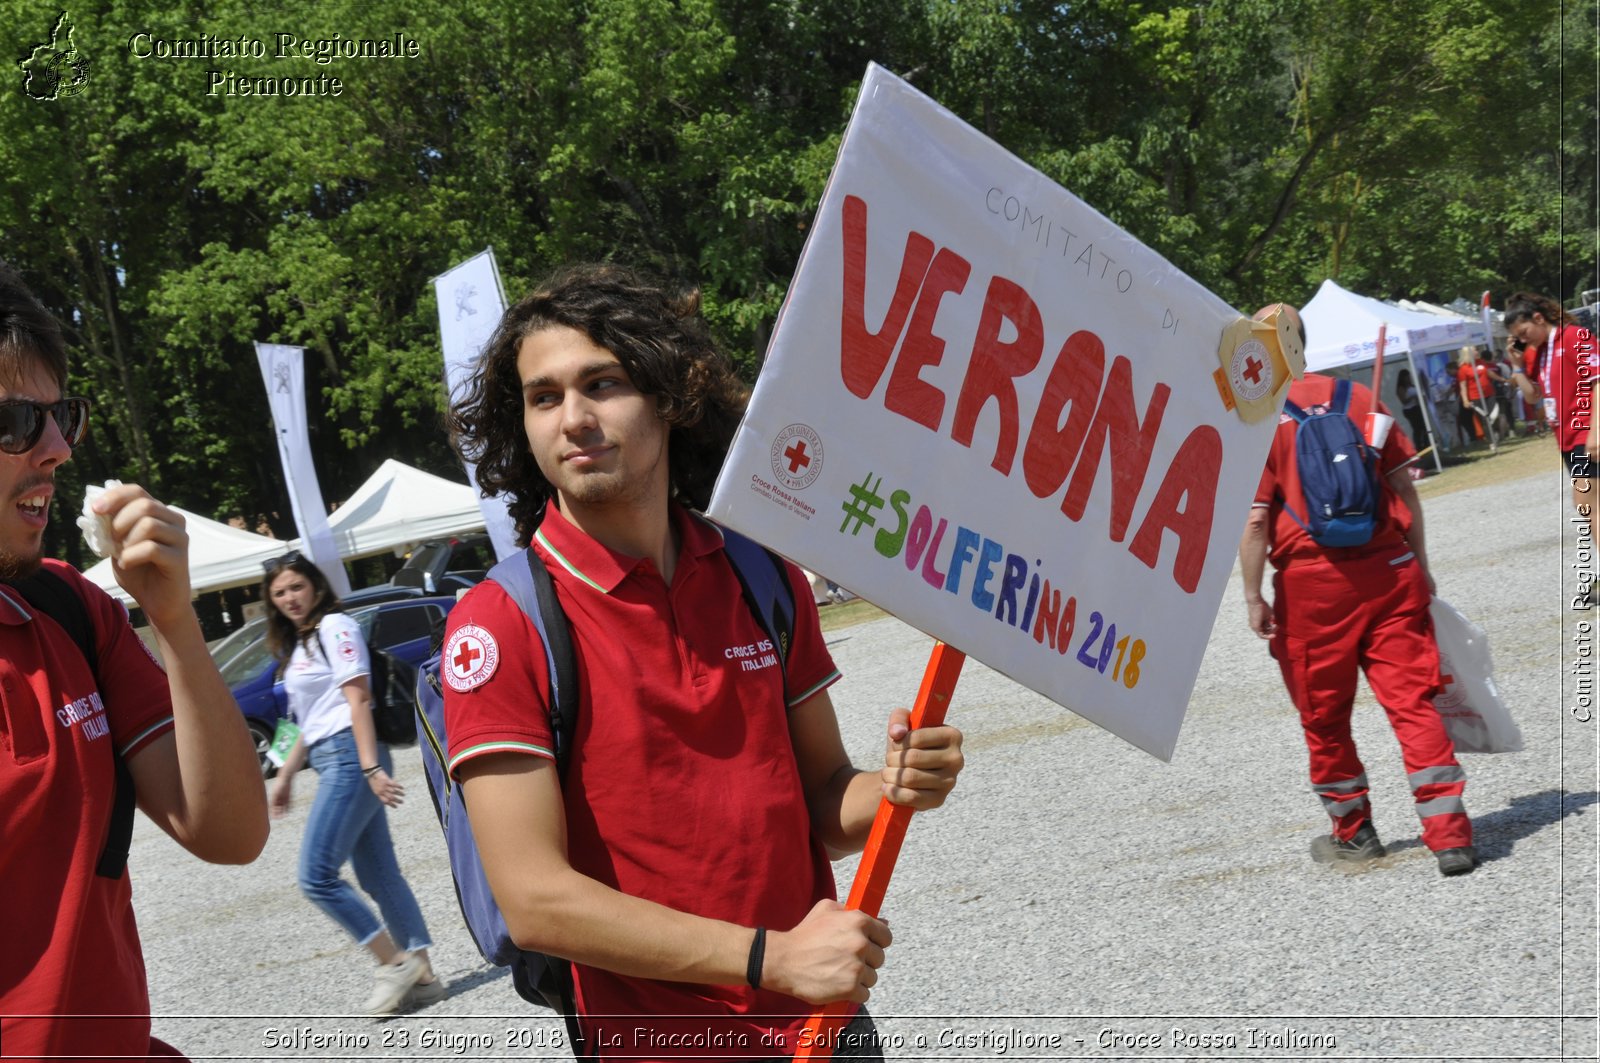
x,y
199,782
833,954
1253,548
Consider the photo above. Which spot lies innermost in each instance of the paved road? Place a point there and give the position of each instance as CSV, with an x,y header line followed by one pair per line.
x,y
1076,898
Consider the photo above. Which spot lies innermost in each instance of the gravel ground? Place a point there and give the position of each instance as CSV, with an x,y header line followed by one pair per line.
x,y
1076,898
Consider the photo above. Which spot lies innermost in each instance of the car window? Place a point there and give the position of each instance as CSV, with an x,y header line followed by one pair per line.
x,y
403,624
224,651
249,662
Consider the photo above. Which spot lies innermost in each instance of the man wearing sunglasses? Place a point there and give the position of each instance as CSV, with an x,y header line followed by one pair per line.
x,y
80,733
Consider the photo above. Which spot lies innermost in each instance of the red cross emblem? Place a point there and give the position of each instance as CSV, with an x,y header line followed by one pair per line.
x,y
472,657
1252,369
798,459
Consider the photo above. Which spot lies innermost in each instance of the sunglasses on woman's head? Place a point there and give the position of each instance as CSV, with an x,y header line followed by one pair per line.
x,y
22,422
272,565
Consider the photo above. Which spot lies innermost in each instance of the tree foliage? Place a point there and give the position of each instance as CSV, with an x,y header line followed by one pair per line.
x,y
1430,149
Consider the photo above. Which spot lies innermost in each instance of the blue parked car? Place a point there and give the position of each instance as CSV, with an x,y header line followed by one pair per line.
x,y
403,629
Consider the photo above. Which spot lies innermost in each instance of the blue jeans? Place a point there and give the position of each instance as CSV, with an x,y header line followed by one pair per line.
x,y
347,822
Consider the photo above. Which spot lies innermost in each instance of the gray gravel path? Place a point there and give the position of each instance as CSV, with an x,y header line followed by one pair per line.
x,y
1076,898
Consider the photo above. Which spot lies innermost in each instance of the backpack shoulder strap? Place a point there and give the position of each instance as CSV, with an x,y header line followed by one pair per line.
x,y
765,586
55,598
1341,396
527,581
1294,411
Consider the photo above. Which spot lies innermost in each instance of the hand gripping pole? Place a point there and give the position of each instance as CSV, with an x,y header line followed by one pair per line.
x,y
883,843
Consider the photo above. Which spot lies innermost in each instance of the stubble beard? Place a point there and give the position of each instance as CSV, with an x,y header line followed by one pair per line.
x,y
14,567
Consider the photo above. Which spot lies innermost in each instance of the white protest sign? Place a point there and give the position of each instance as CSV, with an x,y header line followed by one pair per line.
x,y
992,412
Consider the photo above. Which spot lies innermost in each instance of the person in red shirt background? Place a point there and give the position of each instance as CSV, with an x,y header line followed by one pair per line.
x,y
1564,364
1477,383
1337,612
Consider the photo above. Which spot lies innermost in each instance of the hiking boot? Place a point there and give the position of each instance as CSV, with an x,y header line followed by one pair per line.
x,y
1362,846
424,993
1457,861
392,983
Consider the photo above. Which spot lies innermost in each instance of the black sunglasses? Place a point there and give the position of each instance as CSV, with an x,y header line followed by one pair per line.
x,y
272,565
22,422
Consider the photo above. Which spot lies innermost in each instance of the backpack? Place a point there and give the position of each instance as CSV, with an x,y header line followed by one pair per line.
x,y
389,679
541,979
56,598
393,713
1338,474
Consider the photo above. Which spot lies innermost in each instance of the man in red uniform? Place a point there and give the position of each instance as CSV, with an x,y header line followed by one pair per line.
x,y
72,979
1563,360
1338,611
681,861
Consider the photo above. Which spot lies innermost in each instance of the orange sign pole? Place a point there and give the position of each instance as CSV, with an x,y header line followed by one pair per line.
x,y
883,843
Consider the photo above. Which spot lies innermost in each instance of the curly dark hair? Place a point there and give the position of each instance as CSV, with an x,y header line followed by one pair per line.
x,y
1523,305
28,332
282,633
665,348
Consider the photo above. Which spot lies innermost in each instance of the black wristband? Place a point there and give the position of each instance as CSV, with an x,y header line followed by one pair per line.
x,y
758,951
370,772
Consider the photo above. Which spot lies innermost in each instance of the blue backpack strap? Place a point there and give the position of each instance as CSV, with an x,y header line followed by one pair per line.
x,y
539,978
55,598
1341,396
527,582
1294,411
766,588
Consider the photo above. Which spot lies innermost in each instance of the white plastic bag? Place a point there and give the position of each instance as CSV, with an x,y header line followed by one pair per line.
x,y
1477,720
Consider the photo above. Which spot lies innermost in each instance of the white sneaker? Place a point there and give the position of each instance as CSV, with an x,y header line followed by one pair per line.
x,y
391,984
424,993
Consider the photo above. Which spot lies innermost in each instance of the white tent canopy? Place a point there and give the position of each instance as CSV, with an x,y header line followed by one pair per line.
x,y
1342,330
219,556
399,505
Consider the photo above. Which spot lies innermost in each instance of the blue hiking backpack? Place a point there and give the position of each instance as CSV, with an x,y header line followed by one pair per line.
x,y
1338,474
540,979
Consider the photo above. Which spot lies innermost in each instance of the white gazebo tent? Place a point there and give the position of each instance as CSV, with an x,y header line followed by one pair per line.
x,y
220,556
400,505
1342,337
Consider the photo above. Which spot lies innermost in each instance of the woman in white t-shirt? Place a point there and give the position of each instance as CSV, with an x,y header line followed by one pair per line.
x,y
322,657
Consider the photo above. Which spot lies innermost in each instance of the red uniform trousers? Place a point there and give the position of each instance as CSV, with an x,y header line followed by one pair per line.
x,y
1369,613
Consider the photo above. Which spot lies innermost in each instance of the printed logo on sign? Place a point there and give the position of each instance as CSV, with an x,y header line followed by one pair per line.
x,y
1251,371
470,658
797,457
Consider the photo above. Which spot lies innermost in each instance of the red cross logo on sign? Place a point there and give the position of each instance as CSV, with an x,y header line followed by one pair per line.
x,y
471,658
1252,370
797,456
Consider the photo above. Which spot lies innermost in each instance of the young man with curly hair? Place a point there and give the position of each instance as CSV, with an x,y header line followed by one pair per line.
x,y
681,860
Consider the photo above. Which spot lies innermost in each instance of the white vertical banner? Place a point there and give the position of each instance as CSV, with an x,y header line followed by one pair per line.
x,y
283,370
471,303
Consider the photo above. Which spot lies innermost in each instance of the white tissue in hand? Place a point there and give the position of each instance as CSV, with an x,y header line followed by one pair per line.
x,y
97,529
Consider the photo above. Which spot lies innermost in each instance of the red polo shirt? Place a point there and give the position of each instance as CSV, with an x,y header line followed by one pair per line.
x,y
1476,377
70,946
1280,480
682,786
